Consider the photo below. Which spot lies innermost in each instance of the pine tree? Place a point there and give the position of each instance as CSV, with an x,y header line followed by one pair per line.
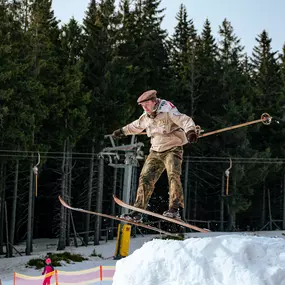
x,y
9,30
100,25
103,77
282,69
267,98
74,98
183,60
21,105
207,53
12,70
150,59
183,38
266,74
235,107
124,70
72,121
43,59
44,53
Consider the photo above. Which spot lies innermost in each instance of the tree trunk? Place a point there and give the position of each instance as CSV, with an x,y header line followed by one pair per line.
x,y
14,209
232,205
7,226
113,206
2,204
187,193
99,202
192,84
29,239
195,201
283,222
222,204
62,229
269,210
68,186
89,195
263,206
26,16
33,213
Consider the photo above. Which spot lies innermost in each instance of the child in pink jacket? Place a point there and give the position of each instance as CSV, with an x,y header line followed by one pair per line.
x,y
48,268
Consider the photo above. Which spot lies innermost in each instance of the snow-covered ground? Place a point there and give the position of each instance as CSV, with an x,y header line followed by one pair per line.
x,y
213,258
42,246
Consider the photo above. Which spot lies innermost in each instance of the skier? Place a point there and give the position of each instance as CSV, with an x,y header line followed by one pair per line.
x,y
169,130
48,269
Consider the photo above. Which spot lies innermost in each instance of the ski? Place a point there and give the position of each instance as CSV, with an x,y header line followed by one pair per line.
x,y
179,222
138,224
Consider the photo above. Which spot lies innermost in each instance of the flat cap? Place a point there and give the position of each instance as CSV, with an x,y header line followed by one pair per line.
x,y
146,96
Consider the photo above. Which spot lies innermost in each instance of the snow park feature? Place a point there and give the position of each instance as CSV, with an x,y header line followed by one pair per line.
x,y
221,260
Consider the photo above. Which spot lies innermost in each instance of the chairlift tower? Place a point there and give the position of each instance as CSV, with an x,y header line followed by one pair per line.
x,y
132,154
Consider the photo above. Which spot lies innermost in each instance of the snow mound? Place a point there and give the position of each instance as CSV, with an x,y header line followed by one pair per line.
x,y
222,260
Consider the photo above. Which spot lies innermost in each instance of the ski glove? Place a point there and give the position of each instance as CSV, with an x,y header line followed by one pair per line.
x,y
118,134
192,136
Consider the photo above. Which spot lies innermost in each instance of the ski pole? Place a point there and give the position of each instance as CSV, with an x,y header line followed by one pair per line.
x,y
265,119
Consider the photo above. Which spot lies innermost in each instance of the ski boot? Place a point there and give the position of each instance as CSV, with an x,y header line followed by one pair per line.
x,y
172,213
133,216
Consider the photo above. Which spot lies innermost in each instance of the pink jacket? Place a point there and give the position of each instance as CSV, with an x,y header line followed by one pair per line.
x,y
166,130
48,268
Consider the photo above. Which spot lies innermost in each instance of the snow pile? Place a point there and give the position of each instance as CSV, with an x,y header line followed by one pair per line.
x,y
222,260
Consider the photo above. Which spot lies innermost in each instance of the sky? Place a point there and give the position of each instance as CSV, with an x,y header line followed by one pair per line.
x,y
216,258
248,17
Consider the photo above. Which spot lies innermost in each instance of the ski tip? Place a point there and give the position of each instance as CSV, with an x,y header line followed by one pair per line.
x,y
61,201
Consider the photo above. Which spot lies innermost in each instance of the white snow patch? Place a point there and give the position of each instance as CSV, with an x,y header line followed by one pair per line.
x,y
221,260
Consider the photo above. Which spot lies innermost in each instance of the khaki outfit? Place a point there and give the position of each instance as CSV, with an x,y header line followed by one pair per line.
x,y
166,128
155,164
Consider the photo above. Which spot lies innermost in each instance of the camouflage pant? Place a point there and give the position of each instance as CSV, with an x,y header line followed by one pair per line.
x,y
155,164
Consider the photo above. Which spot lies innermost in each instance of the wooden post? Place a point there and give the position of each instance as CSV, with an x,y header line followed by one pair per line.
x,y
101,273
56,277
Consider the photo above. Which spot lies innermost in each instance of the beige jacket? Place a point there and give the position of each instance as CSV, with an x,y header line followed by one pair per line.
x,y
166,130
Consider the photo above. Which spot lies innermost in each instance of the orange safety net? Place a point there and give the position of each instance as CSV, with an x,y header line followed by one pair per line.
x,y
58,277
